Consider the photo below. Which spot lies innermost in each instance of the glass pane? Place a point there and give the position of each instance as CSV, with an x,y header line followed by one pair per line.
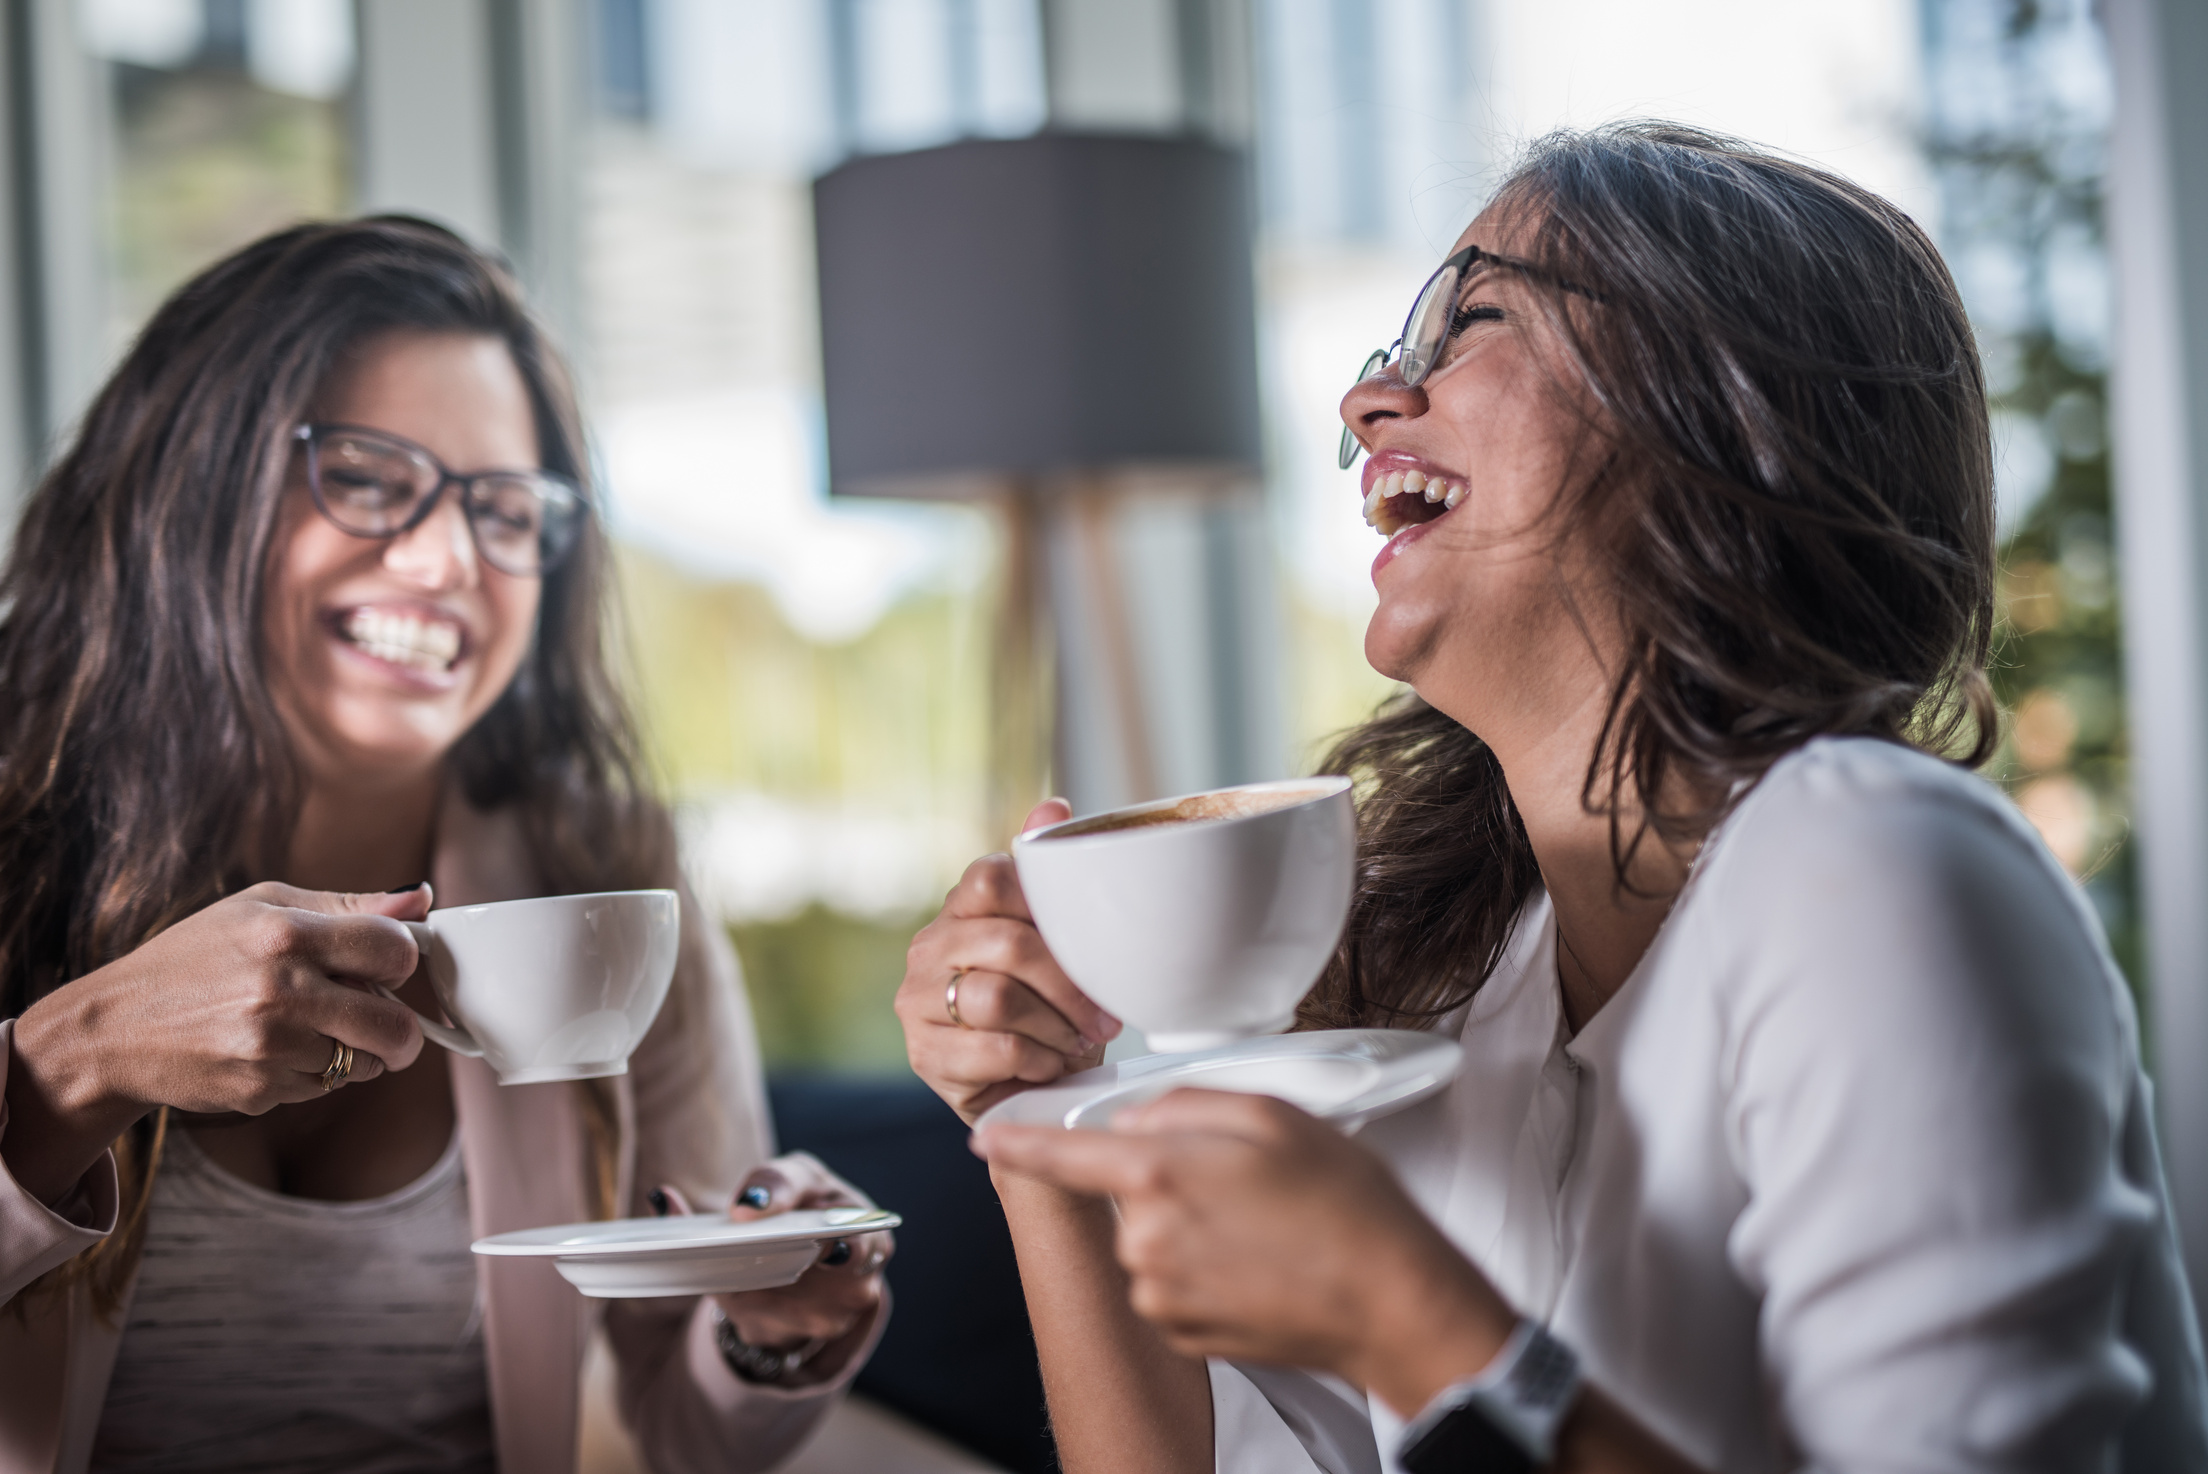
x,y
226,120
814,674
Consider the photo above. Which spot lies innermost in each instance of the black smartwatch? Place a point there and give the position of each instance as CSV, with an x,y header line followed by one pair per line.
x,y
1503,1421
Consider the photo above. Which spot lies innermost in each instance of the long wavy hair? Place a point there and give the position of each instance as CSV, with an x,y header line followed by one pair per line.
x,y
1787,490
144,772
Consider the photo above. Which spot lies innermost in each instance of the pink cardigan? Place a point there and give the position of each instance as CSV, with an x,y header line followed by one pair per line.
x,y
692,1112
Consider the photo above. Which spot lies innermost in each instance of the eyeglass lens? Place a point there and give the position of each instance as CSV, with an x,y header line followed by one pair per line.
x,y
523,523
1374,362
1426,330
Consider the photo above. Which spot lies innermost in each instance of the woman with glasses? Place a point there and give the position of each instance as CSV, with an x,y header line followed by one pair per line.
x,y
1801,1123
303,632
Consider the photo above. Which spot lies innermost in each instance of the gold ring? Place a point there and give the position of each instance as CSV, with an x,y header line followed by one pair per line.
x,y
950,997
340,1067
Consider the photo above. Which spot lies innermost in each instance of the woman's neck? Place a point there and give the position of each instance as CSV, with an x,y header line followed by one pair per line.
x,y
370,835
1603,928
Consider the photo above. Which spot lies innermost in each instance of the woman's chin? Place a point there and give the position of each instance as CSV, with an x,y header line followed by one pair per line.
x,y
358,744
1401,634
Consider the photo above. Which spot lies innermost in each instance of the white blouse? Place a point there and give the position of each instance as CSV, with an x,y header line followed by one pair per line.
x,y
1856,1172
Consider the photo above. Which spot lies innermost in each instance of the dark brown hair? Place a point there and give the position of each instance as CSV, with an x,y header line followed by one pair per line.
x,y
143,770
1787,488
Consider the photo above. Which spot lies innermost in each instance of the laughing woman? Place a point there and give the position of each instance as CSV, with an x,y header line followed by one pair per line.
x,y
1802,1123
312,610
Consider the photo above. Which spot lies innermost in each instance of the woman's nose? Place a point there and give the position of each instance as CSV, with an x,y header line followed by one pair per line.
x,y
439,553
1373,401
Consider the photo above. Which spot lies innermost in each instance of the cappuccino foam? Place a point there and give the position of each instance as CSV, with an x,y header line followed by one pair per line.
x,y
1196,809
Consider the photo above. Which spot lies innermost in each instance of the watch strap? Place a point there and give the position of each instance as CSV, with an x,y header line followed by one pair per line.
x,y
1503,1421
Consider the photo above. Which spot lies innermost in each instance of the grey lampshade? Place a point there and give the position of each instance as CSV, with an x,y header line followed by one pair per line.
x,y
1017,307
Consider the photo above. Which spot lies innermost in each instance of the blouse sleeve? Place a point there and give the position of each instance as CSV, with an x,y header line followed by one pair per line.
x,y
34,1237
1283,1420
700,1124
1935,1103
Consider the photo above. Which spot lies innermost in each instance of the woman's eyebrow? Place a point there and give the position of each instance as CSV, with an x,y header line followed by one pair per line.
x,y
1481,271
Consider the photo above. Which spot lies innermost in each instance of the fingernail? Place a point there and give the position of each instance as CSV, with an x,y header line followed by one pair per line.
x,y
839,1253
754,1196
657,1197
400,890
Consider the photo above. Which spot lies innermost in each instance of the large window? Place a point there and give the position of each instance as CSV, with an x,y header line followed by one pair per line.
x,y
815,674
223,120
2016,130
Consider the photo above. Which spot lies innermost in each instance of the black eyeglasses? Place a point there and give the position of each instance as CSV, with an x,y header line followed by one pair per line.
x,y
372,484
1426,330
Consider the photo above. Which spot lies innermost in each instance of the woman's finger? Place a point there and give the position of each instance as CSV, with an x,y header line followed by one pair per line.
x,y
376,950
1260,1118
976,1059
994,1003
1102,1163
314,1057
990,887
370,1022
1050,811
406,905
789,1182
1015,950
667,1200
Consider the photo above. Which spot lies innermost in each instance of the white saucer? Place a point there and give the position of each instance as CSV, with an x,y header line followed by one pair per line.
x,y
1347,1076
693,1254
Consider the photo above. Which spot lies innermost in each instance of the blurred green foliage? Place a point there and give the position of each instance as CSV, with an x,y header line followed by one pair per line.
x,y
206,160
822,984
2058,655
2018,144
733,700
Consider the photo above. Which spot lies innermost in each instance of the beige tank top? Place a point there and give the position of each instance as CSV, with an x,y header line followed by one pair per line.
x,y
276,1333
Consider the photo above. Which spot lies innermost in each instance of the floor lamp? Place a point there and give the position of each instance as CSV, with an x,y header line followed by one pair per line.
x,y
1040,323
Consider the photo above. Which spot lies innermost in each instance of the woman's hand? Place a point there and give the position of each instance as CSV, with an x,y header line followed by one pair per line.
x,y
1021,1022
238,1007
1253,1231
833,1303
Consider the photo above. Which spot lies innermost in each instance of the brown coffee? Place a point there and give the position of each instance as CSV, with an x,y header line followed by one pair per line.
x,y
1228,804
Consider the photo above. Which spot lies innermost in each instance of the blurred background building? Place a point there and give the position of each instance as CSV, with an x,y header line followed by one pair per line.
x,y
816,672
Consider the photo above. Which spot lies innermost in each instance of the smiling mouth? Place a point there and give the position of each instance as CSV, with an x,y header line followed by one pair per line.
x,y
1402,498
402,639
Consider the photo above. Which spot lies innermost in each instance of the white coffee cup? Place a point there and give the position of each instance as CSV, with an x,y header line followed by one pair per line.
x,y
554,987
1205,928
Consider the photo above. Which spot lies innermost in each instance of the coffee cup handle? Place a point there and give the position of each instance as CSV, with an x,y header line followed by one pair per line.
x,y
458,1040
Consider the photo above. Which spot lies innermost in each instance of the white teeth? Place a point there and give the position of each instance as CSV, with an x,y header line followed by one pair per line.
x,y
1434,490
402,639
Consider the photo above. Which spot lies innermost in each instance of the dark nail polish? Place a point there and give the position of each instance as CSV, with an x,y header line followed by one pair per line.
x,y
839,1253
400,890
755,1196
657,1197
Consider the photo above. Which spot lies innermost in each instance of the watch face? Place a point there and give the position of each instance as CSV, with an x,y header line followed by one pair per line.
x,y
1465,1442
